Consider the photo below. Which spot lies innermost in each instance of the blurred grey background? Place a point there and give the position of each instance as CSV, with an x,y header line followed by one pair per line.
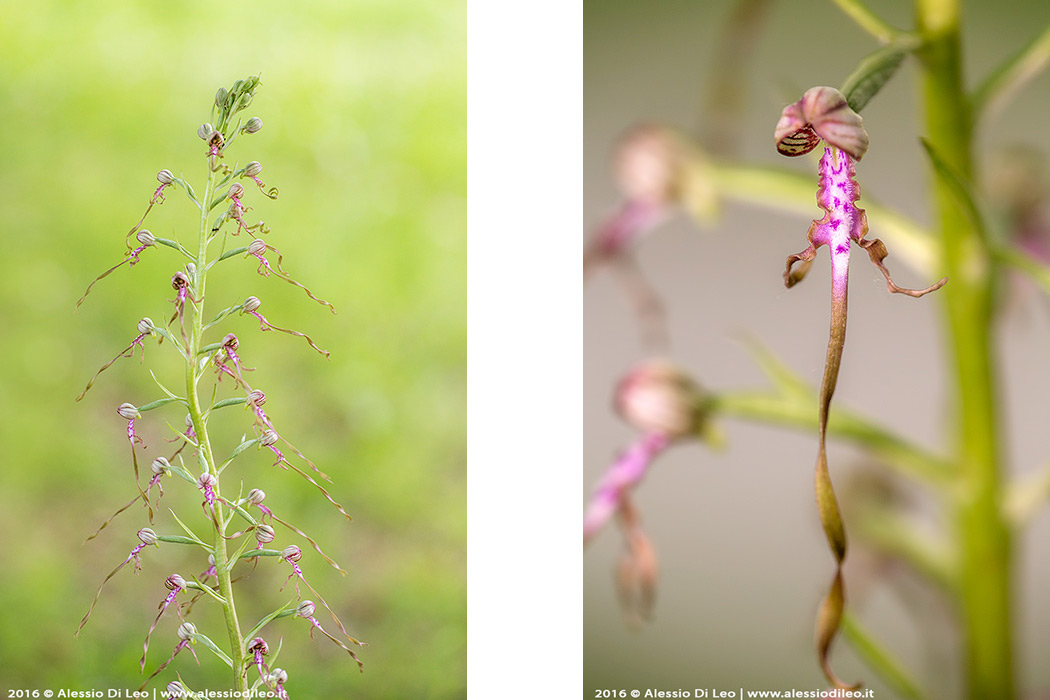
x,y
744,561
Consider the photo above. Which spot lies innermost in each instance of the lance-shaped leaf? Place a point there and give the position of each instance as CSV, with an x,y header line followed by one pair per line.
x,y
873,72
286,610
213,648
879,659
177,246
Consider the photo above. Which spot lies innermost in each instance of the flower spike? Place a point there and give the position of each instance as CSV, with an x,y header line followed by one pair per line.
x,y
843,222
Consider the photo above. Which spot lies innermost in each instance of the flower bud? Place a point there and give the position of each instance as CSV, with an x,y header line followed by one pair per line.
x,y
252,126
265,534
188,420
822,113
251,304
236,190
230,341
268,438
292,553
220,98
175,582
259,644
277,676
160,466
658,397
175,690
256,496
253,169
306,609
256,397
205,131
650,165
128,411
145,238
165,177
257,247
146,326
147,536
207,481
187,630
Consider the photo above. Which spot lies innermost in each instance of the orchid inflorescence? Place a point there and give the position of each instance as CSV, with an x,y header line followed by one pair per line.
x,y
185,331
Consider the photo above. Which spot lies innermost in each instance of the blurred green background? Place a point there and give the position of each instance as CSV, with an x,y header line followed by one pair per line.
x,y
364,111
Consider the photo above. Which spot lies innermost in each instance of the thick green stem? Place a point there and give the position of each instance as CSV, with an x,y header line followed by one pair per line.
x,y
193,374
983,536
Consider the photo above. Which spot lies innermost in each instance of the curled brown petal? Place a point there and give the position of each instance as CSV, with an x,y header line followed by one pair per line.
x,y
796,275
877,253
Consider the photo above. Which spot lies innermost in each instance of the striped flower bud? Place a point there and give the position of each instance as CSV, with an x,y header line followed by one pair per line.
x,y
165,177
252,126
306,609
175,582
257,247
253,169
251,304
292,553
268,438
128,411
160,466
146,326
205,131
147,536
256,496
265,534
822,113
186,631
145,238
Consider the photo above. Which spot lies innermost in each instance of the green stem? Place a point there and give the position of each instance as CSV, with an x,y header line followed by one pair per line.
x,y
193,374
984,540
